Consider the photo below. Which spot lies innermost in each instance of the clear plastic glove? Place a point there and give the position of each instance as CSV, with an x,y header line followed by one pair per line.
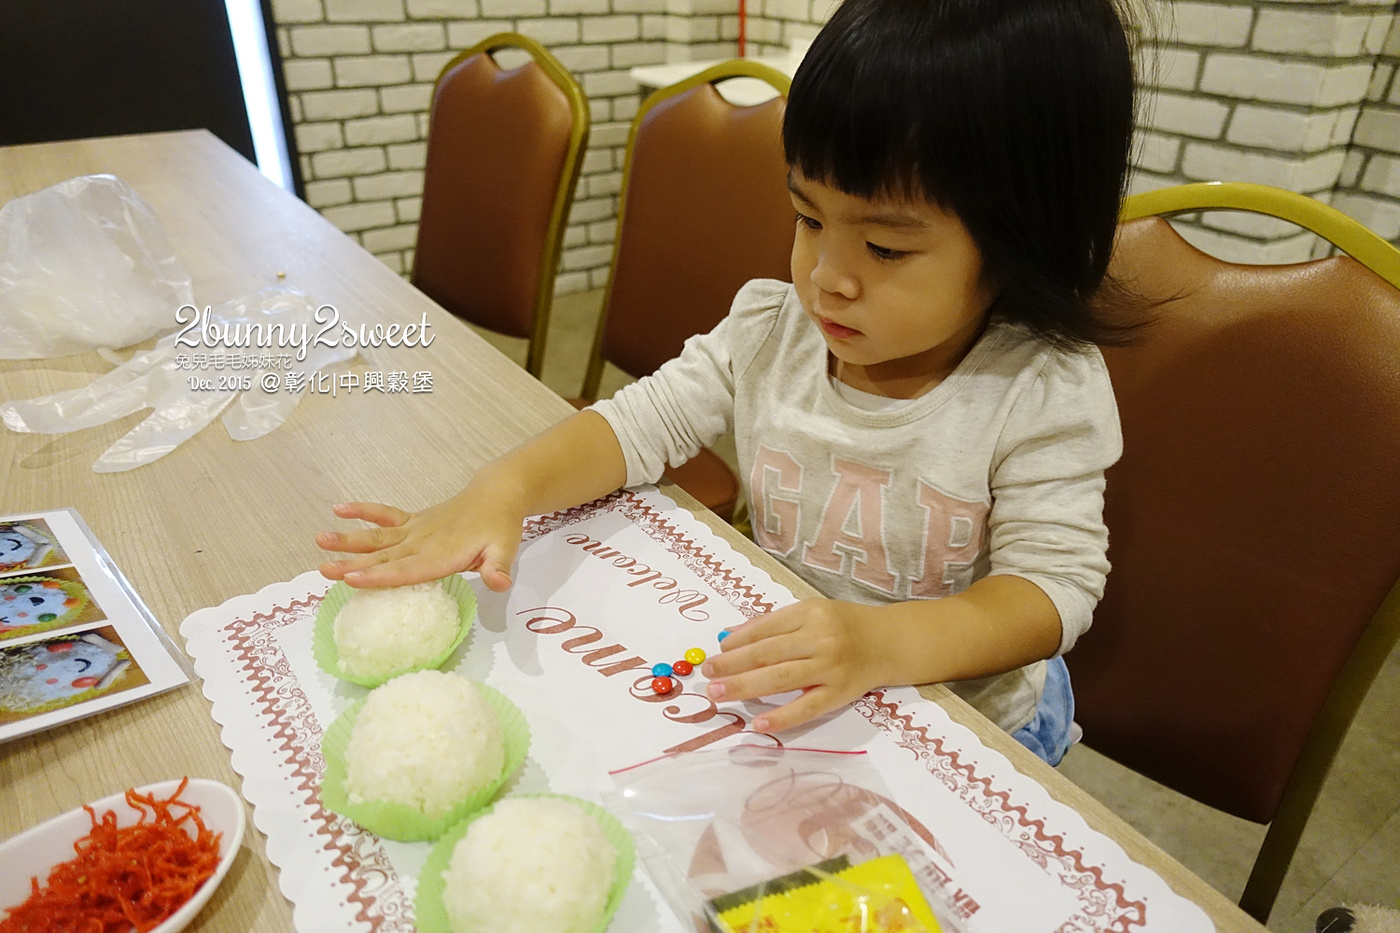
x,y
84,264
157,379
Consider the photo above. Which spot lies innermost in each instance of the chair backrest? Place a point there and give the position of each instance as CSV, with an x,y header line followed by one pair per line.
x,y
704,209
504,151
1254,522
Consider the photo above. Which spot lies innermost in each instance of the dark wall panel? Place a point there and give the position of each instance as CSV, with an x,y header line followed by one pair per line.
x,y
76,68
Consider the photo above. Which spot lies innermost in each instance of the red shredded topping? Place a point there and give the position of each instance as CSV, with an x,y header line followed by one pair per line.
x,y
126,878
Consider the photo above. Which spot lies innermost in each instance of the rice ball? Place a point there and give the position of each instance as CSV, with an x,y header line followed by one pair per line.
x,y
426,740
531,865
382,632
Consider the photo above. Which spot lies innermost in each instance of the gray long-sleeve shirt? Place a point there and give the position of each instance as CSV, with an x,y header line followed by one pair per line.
x,y
997,469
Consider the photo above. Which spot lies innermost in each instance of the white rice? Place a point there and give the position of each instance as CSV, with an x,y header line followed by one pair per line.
x,y
531,865
381,632
427,740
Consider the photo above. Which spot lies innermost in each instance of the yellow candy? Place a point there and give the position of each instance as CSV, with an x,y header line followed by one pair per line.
x,y
694,655
878,896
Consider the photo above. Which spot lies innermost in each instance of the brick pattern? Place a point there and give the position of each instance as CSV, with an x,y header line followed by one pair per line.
x,y
1369,189
1302,94
1270,91
360,75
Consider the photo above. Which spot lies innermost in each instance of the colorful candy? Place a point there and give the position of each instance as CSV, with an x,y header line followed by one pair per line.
x,y
661,670
722,635
694,655
662,685
682,668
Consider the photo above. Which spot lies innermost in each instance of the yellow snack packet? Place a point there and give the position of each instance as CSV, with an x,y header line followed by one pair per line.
x,y
877,896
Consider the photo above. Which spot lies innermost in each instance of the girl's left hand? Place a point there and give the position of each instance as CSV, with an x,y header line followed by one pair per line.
x,y
825,647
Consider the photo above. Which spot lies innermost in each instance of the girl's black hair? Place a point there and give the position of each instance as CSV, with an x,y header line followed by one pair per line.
x,y
1016,115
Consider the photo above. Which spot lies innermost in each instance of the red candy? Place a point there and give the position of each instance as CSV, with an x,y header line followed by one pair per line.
x,y
682,667
662,685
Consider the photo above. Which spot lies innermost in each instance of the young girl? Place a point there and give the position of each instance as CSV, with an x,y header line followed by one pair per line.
x,y
922,420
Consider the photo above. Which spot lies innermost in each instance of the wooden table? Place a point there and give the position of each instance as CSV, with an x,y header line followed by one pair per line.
x,y
217,519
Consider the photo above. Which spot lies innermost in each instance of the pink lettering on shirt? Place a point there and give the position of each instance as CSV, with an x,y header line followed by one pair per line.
x,y
776,481
860,490
953,535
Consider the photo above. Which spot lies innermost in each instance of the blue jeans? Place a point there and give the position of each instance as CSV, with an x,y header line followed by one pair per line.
x,y
1050,732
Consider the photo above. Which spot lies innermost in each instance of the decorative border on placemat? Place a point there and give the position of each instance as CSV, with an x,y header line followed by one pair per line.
x,y
1103,905
376,888
633,507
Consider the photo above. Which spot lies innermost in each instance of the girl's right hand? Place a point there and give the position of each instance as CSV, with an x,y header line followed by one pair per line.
x,y
465,532
577,460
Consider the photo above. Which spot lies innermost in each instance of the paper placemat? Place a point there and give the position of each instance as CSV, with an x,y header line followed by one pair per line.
x,y
603,592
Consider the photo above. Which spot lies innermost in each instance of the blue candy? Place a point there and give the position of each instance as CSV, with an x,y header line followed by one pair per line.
x,y
723,635
661,670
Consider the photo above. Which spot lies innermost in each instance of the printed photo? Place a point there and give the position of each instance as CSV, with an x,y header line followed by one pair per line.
x,y
28,545
30,604
64,671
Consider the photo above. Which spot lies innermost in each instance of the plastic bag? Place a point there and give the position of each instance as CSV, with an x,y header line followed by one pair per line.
x,y
84,264
158,378
752,818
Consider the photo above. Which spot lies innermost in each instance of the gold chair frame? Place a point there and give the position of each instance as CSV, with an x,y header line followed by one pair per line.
x,y
734,68
1383,631
568,181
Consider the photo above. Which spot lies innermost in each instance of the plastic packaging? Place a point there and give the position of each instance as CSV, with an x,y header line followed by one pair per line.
x,y
83,265
157,378
756,819
876,896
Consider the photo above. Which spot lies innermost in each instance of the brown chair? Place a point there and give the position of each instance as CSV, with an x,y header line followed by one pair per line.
x,y
504,151
704,209
1254,519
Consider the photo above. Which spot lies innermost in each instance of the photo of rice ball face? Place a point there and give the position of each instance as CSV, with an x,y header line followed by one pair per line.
x,y
531,865
426,740
27,545
386,631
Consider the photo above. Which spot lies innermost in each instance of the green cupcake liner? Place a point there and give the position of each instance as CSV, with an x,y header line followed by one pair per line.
x,y
400,821
430,915
72,588
323,635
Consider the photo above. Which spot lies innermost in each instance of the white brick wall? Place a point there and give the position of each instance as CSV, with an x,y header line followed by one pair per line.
x,y
345,162
360,75
339,105
1157,153
1383,176
1187,115
316,137
1380,214
297,11
311,41
443,9
1336,32
329,193
1370,186
362,11
1206,24
1299,93
1173,67
307,74
1292,93
419,37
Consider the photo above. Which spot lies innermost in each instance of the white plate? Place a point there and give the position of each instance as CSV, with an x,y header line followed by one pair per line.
x,y
35,851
